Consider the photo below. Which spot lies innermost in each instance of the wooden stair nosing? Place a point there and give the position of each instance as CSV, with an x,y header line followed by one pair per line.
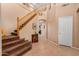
x,y
9,37
14,47
12,42
20,52
27,21
18,49
5,54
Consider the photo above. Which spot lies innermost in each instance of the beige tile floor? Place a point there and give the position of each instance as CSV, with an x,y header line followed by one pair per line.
x,y
45,48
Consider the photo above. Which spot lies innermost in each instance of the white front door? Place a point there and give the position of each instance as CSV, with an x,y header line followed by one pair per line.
x,y
65,27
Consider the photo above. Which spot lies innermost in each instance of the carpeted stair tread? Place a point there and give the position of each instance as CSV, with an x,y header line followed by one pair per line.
x,y
9,37
5,54
15,47
12,42
21,51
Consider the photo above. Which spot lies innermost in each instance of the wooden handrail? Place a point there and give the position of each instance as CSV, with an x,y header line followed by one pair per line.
x,y
27,21
28,17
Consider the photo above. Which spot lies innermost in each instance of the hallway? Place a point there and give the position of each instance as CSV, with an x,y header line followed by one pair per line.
x,y
45,48
57,22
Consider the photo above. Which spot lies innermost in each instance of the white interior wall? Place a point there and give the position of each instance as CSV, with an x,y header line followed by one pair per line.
x,y
70,10
9,14
11,11
27,31
53,15
52,24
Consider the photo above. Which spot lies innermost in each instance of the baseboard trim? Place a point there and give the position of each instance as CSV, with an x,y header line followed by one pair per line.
x,y
69,46
75,48
53,42
63,45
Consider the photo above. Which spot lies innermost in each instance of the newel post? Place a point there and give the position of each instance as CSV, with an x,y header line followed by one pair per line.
x,y
18,26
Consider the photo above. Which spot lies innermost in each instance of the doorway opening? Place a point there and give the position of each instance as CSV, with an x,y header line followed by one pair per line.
x,y
42,28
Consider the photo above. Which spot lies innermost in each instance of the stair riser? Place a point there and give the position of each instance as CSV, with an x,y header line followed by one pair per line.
x,y
5,54
25,51
13,44
8,40
17,49
20,54
14,33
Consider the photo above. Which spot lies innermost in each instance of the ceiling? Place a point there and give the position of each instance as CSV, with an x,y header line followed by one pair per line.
x,y
35,5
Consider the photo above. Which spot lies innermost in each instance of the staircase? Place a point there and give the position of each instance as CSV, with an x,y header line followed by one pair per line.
x,y
26,19
14,46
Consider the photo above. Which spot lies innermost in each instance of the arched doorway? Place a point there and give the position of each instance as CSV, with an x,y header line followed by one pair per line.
x,y
39,28
42,28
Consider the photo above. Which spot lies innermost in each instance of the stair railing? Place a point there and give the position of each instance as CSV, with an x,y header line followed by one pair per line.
x,y
21,22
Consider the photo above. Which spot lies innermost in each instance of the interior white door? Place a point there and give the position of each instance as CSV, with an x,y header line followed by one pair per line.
x,y
65,30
